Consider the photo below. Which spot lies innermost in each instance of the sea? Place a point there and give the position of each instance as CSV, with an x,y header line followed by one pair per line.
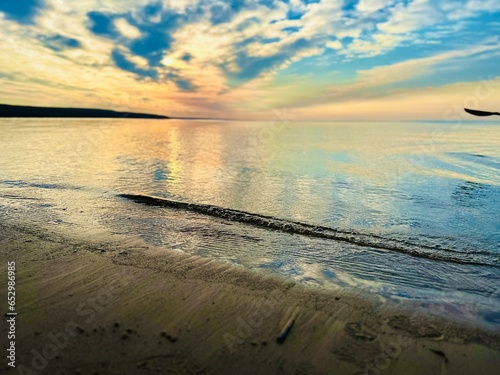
x,y
405,212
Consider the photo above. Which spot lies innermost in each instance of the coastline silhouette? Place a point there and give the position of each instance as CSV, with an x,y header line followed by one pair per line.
x,y
53,112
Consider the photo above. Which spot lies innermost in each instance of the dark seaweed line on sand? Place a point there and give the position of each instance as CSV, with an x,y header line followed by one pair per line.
x,y
293,227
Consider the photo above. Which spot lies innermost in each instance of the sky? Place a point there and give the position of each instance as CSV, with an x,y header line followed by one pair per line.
x,y
251,59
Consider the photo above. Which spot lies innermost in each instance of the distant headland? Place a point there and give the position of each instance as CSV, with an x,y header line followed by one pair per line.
x,y
27,111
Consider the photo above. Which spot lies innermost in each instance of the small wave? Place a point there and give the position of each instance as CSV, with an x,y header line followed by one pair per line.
x,y
485,160
293,227
24,184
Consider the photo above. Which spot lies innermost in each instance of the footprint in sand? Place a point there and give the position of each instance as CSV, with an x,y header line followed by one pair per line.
x,y
359,331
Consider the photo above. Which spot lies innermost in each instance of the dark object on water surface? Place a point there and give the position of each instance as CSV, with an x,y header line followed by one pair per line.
x,y
480,113
50,112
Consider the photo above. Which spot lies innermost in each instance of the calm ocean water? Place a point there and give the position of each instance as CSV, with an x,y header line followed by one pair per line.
x,y
403,210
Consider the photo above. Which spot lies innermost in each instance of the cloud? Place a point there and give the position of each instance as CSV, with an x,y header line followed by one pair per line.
x,y
59,42
126,29
224,11
415,15
383,75
333,44
239,56
385,81
371,6
152,46
122,62
470,8
441,103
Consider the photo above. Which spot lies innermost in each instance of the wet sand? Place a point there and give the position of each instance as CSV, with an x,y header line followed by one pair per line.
x,y
88,304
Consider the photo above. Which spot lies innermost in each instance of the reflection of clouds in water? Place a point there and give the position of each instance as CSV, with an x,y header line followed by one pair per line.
x,y
360,178
160,172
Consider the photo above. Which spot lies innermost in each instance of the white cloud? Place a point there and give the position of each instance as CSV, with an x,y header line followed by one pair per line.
x,y
414,16
437,103
402,71
404,23
334,44
126,29
371,6
206,54
470,8
375,82
379,44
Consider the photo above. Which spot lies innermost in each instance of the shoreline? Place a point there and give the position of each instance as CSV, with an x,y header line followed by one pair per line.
x,y
122,306
22,111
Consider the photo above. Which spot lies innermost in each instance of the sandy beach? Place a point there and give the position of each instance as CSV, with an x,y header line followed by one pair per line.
x,y
250,187
87,305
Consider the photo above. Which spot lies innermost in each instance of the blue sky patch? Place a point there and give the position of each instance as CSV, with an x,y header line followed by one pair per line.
x,y
153,9
101,24
59,43
294,14
21,11
291,29
186,57
123,63
185,85
152,47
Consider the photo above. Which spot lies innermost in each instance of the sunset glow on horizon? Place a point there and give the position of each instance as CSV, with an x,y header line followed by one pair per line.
x,y
318,59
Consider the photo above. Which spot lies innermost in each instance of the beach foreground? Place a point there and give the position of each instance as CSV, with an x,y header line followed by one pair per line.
x,y
89,305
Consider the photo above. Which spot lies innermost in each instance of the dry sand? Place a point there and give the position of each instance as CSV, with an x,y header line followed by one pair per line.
x,y
88,305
